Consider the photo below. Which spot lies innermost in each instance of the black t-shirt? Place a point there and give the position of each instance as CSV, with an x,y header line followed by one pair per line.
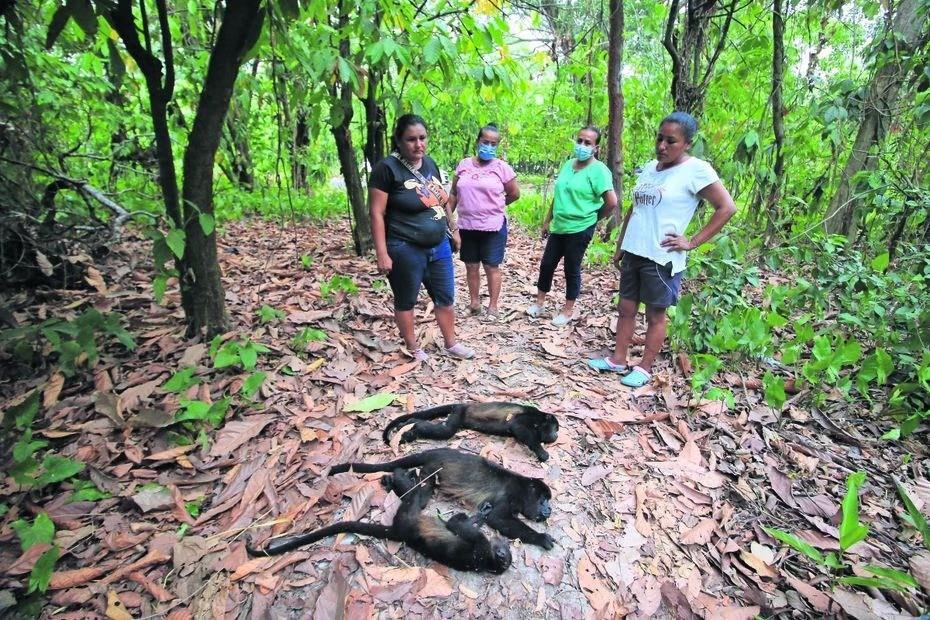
x,y
413,212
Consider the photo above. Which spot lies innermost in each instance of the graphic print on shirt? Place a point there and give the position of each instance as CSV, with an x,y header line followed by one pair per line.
x,y
428,195
647,195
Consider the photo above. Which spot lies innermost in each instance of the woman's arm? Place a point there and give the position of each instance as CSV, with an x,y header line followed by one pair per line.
x,y
610,205
547,219
454,235
377,205
511,191
719,198
454,193
618,253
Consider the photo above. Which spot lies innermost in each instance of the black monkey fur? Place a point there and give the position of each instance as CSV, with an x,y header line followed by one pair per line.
x,y
457,543
475,481
527,424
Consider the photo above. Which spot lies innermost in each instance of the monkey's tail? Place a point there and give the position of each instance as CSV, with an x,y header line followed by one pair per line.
x,y
424,414
418,459
282,545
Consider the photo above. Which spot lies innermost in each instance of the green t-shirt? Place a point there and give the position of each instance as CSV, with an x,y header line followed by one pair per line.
x,y
578,196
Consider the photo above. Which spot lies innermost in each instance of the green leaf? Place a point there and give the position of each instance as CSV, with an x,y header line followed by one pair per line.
x,y
176,240
248,353
774,390
851,530
22,415
207,223
251,385
41,530
795,543
181,380
892,574
833,561
217,411
372,403
86,491
227,355
42,570
880,262
57,468
920,523
192,410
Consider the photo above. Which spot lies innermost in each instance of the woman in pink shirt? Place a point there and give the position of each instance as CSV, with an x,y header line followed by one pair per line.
x,y
482,186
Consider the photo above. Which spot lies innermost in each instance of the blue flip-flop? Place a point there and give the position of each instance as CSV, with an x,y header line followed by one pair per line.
x,y
637,378
605,365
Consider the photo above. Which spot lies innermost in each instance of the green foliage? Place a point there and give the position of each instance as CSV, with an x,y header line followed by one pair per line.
x,y
243,352
338,283
371,403
71,343
917,518
267,314
306,262
253,383
199,411
27,469
305,336
181,381
41,530
86,491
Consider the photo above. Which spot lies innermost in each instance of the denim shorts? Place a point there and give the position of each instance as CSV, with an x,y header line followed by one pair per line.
x,y
480,246
414,265
646,281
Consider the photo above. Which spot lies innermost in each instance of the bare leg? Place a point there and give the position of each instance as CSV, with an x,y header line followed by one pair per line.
x,y
404,320
626,323
494,286
445,318
473,278
567,307
540,298
655,335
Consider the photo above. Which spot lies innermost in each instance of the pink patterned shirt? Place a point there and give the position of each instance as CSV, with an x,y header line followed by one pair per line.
x,y
481,193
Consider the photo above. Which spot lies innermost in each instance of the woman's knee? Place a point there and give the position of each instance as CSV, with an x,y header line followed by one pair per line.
x,y
655,316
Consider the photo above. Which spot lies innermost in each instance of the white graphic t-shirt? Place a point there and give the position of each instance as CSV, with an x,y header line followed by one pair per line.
x,y
664,202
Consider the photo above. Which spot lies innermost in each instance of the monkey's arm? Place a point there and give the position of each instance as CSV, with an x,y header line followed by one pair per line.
x,y
513,528
527,437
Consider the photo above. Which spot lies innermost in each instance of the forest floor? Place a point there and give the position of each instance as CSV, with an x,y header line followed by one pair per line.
x,y
659,503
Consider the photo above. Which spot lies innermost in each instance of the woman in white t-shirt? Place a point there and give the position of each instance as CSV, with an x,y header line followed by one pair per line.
x,y
652,245
482,186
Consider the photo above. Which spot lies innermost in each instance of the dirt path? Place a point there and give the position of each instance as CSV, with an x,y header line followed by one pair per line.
x,y
658,506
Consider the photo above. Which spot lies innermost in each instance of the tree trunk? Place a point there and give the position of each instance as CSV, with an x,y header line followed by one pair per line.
x,y
301,140
236,138
877,111
615,106
201,289
341,94
375,122
778,115
691,74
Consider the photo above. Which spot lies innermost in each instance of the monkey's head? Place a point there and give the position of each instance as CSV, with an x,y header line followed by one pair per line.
x,y
535,504
548,427
500,556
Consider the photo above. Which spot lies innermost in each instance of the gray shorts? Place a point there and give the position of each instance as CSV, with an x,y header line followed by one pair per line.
x,y
646,281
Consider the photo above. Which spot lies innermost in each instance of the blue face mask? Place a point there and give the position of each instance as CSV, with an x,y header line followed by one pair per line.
x,y
487,152
583,152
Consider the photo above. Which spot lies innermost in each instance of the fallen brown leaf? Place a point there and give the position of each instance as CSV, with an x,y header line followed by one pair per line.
x,y
116,610
238,432
700,534
52,389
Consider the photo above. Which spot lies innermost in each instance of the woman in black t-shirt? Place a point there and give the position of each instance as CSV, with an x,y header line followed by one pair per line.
x,y
410,219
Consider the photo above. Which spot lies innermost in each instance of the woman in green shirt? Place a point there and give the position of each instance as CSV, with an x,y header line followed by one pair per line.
x,y
584,194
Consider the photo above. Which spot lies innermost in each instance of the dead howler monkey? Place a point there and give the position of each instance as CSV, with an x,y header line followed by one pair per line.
x,y
457,543
526,424
475,481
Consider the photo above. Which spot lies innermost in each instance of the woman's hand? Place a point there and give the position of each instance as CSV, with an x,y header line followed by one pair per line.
x,y
676,243
456,240
384,264
618,256
544,231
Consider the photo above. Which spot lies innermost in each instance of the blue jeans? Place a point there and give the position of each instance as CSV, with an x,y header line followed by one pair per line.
x,y
413,265
570,247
